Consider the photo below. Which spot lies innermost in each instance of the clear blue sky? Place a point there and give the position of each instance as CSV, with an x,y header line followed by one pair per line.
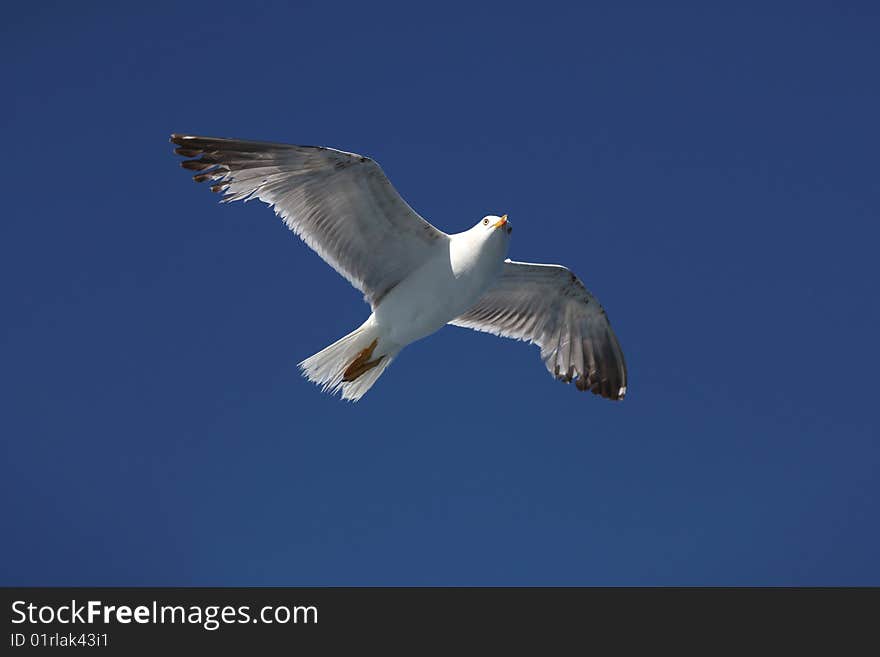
x,y
710,170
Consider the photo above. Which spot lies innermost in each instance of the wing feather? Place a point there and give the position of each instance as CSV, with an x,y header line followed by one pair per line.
x,y
341,204
548,305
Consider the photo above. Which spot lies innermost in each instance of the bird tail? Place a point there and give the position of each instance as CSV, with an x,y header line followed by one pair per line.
x,y
352,364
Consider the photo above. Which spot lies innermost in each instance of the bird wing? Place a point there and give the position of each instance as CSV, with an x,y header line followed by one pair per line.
x,y
341,204
549,306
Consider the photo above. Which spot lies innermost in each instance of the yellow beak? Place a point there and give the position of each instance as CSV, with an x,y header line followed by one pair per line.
x,y
500,222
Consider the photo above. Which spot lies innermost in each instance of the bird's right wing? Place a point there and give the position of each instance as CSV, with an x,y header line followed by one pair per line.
x,y
549,306
341,204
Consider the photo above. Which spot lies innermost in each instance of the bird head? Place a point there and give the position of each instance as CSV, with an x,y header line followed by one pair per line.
x,y
492,224
492,234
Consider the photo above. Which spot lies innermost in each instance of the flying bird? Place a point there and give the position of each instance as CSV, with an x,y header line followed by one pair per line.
x,y
415,277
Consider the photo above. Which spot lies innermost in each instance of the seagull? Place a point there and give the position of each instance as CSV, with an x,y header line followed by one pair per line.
x,y
415,277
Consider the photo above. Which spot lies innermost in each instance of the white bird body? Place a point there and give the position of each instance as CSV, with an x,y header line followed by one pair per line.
x,y
415,277
456,272
459,271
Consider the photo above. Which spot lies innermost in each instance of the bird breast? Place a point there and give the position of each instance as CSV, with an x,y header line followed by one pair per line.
x,y
444,287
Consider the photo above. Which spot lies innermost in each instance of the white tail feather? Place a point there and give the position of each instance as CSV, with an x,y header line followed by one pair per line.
x,y
327,367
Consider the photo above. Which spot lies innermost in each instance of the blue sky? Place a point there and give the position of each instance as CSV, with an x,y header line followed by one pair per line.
x,y
710,170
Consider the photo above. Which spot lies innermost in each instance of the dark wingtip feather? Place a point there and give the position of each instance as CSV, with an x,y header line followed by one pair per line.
x,y
188,152
196,165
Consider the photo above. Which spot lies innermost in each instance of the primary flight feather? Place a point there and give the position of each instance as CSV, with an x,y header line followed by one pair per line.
x,y
415,277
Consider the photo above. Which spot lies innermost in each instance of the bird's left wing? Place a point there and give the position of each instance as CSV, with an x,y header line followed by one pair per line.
x,y
549,306
341,204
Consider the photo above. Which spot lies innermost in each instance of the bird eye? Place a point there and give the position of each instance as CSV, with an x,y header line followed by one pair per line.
x,y
486,222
